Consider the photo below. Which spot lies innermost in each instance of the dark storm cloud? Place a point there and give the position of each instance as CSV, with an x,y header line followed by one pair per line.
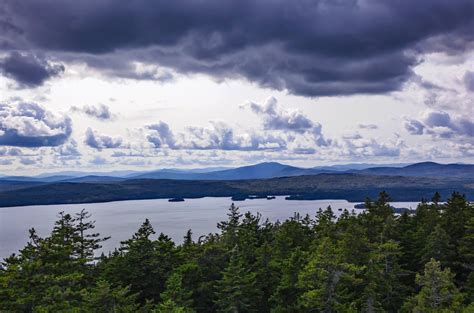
x,y
31,125
28,70
310,47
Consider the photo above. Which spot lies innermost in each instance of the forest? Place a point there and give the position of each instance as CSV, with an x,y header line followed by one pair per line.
x,y
376,261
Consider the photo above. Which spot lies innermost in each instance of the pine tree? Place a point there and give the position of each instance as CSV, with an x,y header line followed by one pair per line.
x,y
137,266
379,219
287,292
169,306
86,242
103,298
438,292
229,228
325,225
62,274
437,246
236,291
466,257
382,287
176,293
326,279
20,286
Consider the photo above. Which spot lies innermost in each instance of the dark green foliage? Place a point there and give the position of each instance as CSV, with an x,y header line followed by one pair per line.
x,y
237,290
327,280
372,262
438,292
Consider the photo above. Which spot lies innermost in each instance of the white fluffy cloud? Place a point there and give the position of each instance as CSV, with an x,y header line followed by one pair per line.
x,y
441,124
217,136
100,111
100,141
31,125
276,118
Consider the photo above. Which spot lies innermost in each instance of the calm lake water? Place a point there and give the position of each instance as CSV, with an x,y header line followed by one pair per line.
x,y
121,219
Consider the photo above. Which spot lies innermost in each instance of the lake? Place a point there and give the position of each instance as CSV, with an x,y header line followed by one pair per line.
x,y
121,219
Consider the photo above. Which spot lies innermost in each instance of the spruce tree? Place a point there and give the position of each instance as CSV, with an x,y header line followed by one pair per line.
x,y
438,247
326,280
438,292
103,298
287,292
236,291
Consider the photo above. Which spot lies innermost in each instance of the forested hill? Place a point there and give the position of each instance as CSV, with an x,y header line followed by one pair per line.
x,y
352,187
257,171
371,262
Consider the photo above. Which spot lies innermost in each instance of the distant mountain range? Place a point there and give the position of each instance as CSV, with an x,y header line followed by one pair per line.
x,y
404,183
349,186
257,171
425,169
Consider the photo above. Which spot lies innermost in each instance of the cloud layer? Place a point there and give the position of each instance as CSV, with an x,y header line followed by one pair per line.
x,y
218,136
310,48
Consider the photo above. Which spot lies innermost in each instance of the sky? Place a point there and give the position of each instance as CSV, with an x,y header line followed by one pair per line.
x,y
114,85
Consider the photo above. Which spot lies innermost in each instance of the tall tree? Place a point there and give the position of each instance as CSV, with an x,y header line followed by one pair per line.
x,y
177,293
229,228
236,291
382,285
137,266
326,280
103,298
438,247
285,297
438,292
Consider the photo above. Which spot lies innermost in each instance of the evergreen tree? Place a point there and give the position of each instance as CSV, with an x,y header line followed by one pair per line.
x,y
379,219
356,263
438,247
287,292
103,298
466,257
20,277
382,287
137,266
438,292
325,224
326,280
86,242
236,291
176,291
169,306
229,228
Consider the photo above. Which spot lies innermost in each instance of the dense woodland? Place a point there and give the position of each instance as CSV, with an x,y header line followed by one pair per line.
x,y
372,262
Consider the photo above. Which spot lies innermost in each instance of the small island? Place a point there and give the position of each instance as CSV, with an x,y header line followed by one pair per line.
x,y
176,200
238,198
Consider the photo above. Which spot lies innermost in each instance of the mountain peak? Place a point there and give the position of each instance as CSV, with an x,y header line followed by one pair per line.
x,y
427,164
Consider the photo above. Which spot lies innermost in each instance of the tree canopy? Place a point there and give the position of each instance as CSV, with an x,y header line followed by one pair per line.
x,y
376,261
